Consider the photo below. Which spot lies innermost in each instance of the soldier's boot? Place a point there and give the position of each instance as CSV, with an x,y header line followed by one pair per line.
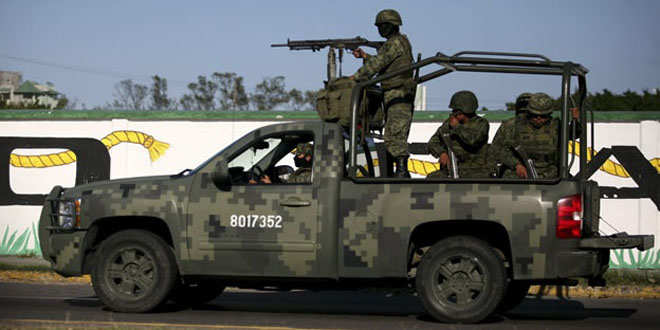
x,y
402,168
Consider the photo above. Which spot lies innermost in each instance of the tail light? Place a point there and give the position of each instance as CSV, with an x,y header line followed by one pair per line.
x,y
569,217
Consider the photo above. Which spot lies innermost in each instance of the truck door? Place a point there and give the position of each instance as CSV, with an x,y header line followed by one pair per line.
x,y
263,225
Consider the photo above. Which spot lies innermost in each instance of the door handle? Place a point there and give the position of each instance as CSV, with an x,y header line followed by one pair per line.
x,y
295,202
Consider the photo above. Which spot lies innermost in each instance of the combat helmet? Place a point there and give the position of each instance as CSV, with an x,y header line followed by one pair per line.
x,y
388,16
522,102
304,149
540,104
465,101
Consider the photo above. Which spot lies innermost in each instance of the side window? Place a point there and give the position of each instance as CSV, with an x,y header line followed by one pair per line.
x,y
253,155
281,159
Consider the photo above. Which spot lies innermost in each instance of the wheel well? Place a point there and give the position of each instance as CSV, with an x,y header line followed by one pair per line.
x,y
103,228
493,233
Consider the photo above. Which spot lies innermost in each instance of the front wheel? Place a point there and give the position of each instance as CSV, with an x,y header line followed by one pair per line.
x,y
135,271
461,280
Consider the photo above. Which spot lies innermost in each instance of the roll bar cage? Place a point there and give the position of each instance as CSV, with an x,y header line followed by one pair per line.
x,y
493,62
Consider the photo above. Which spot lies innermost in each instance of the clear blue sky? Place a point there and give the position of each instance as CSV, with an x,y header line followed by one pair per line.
x,y
617,40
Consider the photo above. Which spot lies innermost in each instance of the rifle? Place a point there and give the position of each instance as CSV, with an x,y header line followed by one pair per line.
x,y
340,44
452,167
529,163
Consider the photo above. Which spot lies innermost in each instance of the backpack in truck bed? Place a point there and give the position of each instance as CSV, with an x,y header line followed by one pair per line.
x,y
334,104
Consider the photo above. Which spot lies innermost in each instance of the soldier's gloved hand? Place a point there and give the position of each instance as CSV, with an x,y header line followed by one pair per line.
x,y
521,171
444,159
359,53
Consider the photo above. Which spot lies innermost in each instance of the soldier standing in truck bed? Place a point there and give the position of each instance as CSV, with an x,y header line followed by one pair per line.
x,y
468,135
537,134
399,91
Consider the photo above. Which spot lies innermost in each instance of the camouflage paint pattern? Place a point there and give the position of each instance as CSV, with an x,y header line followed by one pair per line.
x,y
362,232
470,145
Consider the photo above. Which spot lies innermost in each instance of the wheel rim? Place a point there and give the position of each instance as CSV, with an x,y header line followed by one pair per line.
x,y
459,281
131,272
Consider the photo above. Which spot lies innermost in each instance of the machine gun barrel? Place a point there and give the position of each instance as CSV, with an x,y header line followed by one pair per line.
x,y
315,45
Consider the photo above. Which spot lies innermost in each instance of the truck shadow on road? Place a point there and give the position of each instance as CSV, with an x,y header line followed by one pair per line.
x,y
383,304
563,309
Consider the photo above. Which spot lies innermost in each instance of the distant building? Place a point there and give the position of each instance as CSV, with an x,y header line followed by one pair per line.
x,y
10,79
15,92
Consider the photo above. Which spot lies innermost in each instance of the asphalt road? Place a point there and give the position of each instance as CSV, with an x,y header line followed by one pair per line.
x,y
76,306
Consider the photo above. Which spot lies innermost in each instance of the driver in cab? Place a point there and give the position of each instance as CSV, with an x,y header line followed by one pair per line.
x,y
303,161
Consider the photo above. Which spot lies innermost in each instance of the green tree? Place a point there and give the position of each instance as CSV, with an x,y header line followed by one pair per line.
x,y
203,94
159,99
269,93
232,92
129,95
310,98
296,99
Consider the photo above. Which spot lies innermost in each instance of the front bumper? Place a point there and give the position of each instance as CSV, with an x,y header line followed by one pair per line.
x,y
63,248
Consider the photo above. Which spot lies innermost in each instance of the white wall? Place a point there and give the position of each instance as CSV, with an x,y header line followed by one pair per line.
x,y
192,142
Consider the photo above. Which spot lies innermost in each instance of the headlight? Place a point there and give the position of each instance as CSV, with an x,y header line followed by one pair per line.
x,y
69,214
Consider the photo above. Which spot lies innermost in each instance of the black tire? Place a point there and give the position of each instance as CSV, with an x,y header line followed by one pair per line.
x,y
515,294
461,280
194,294
135,272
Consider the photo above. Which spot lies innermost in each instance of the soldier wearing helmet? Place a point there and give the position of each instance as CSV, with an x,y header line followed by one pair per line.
x,y
537,134
304,153
303,160
468,137
520,107
399,91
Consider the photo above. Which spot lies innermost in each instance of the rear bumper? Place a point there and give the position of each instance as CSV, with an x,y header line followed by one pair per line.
x,y
618,241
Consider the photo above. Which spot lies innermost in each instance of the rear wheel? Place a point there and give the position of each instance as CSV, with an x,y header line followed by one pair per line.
x,y
135,272
461,279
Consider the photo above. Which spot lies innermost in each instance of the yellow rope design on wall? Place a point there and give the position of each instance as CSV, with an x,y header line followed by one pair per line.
x,y
156,150
424,167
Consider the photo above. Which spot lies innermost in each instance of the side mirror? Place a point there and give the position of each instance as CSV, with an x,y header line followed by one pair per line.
x,y
220,176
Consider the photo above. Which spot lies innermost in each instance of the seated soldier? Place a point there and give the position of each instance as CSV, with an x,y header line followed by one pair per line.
x,y
468,136
303,161
501,170
536,137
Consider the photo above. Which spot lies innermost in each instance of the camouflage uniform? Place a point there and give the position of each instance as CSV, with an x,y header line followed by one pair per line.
x,y
540,143
399,91
469,140
522,102
302,174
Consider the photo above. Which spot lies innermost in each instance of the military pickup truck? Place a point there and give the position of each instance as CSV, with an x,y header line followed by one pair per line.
x,y
469,247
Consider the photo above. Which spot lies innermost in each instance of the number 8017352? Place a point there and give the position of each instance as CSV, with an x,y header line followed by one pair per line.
x,y
255,221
